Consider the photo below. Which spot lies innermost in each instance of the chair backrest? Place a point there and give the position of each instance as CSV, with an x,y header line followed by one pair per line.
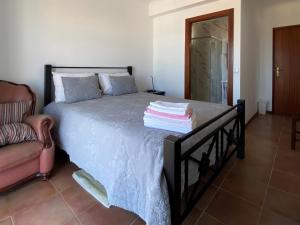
x,y
11,92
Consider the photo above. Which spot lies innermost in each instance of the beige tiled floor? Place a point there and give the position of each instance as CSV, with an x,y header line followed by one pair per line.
x,y
263,189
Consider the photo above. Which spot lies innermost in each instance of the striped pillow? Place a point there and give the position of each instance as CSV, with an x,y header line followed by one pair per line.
x,y
15,133
14,112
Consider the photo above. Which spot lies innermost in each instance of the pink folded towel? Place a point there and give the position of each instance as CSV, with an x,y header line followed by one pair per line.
x,y
171,116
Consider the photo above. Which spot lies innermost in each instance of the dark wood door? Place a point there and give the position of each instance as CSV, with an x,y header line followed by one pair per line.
x,y
286,70
188,38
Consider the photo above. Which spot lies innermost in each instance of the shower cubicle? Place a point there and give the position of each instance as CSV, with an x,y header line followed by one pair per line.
x,y
209,68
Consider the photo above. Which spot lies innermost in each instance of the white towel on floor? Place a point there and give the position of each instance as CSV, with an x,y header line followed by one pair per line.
x,y
93,187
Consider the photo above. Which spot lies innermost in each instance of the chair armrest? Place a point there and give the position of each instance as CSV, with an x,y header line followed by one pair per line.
x,y
42,124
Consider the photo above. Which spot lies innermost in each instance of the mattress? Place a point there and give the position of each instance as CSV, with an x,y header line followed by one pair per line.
x,y
106,137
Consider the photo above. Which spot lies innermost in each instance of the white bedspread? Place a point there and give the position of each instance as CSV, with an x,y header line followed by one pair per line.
x,y
106,137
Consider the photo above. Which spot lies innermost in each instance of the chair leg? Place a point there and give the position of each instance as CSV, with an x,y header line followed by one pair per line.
x,y
293,142
45,176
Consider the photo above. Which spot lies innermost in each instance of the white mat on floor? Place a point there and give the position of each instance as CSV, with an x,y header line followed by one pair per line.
x,y
93,187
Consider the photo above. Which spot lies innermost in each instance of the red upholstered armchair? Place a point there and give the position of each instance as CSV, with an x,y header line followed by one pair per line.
x,y
20,162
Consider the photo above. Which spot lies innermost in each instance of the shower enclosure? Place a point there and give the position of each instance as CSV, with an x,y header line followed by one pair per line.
x,y
209,61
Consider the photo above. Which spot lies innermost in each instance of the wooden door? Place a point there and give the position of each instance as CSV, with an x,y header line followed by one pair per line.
x,y
286,70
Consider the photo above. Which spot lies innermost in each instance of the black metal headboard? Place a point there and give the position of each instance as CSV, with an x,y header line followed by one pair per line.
x,y
48,77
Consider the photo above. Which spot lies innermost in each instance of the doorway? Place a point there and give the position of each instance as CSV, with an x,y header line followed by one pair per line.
x,y
209,57
286,70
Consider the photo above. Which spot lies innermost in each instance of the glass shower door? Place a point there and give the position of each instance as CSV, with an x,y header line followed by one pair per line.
x,y
208,62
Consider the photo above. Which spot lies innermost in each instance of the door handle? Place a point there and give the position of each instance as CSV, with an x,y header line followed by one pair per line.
x,y
277,70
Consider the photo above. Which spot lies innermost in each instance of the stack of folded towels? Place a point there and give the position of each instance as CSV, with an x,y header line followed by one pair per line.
x,y
176,117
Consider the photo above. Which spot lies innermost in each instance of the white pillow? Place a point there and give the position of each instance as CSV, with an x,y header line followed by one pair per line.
x,y
105,81
58,84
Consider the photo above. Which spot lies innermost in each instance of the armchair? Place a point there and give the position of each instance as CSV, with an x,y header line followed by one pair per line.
x,y
24,161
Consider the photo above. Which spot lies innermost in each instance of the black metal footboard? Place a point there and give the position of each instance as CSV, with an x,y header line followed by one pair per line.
x,y
216,148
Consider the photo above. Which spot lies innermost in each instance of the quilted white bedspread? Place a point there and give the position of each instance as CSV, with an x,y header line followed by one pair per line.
x,y
106,137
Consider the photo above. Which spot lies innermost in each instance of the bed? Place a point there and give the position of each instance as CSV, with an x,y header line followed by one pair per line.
x,y
158,174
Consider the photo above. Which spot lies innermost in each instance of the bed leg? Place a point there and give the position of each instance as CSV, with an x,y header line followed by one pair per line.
x,y
241,111
172,169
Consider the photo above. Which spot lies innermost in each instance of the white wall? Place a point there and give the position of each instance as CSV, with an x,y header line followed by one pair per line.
x,y
274,13
254,21
157,7
251,18
2,39
94,32
169,44
73,32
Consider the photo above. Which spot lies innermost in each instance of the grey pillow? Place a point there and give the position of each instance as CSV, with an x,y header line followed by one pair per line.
x,y
81,88
122,85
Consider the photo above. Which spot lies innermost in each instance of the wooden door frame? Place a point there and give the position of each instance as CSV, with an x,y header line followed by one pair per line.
x,y
188,32
273,64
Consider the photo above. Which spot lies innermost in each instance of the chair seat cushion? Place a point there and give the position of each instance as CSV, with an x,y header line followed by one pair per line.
x,y
17,154
15,133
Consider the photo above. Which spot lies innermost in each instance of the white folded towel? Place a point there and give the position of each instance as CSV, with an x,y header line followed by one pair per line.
x,y
150,117
169,123
170,107
162,126
170,111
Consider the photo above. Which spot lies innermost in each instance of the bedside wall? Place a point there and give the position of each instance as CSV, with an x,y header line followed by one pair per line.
x,y
73,33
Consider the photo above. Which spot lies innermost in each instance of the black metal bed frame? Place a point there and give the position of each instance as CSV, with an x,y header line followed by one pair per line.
x,y
181,205
48,77
224,142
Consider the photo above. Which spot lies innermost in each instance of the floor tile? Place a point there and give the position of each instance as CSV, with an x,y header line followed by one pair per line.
x,y
289,150
254,171
237,203
288,162
192,217
208,220
245,187
6,222
262,158
224,172
283,203
4,210
98,215
287,130
261,152
286,182
256,142
285,141
62,179
72,222
138,221
220,178
232,210
271,218
78,199
206,198
52,212
264,133
30,194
